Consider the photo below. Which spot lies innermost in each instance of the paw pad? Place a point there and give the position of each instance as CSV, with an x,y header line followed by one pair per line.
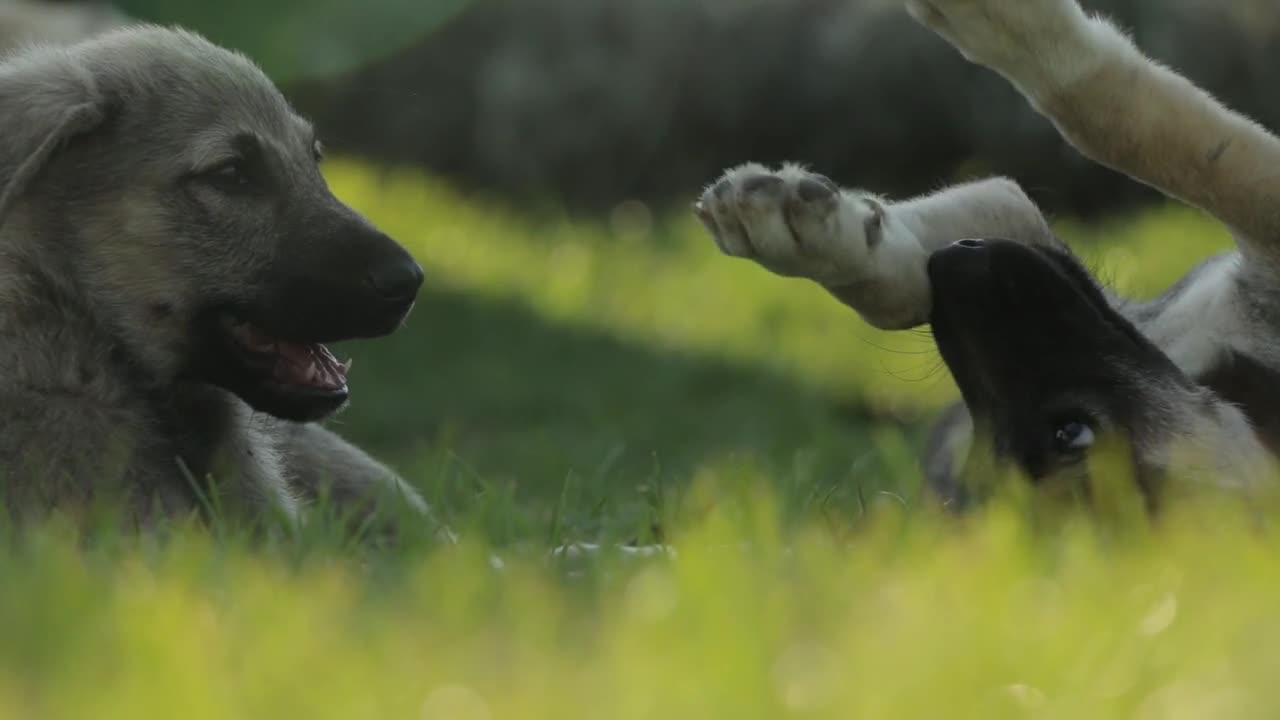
x,y
762,184
815,188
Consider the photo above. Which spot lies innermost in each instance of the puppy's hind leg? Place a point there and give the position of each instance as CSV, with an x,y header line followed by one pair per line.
x,y
1122,109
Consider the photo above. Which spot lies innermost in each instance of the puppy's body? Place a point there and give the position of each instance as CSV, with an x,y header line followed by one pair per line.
x,y
170,261
1187,381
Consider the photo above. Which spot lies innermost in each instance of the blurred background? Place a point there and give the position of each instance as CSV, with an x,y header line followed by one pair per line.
x,y
588,103
581,352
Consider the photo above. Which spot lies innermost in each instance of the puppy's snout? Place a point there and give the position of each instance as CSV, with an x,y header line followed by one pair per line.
x,y
396,279
962,264
351,282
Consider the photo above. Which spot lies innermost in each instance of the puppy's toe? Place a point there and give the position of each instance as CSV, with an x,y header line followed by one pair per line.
x,y
718,211
815,189
810,209
763,187
761,200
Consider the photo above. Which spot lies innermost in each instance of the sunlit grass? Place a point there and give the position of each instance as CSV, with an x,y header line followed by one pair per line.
x,y
779,602
662,281
905,618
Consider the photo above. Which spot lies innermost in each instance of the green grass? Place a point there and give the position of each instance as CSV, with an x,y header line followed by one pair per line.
x,y
621,380
568,374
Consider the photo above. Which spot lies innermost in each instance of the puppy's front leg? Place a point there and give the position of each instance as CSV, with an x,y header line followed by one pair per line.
x,y
868,252
320,463
1122,109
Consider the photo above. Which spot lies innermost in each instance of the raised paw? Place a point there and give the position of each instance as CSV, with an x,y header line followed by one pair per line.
x,y
1009,36
793,222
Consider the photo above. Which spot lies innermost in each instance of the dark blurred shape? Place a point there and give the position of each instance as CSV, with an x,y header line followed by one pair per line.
x,y
593,103
54,21
597,101
297,39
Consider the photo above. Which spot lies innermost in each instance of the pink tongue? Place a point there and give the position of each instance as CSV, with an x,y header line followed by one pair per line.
x,y
310,365
295,353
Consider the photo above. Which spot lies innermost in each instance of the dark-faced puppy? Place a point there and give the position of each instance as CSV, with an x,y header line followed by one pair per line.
x,y
1047,368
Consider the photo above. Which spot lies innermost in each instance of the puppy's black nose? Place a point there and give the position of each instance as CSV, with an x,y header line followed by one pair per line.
x,y
971,244
396,279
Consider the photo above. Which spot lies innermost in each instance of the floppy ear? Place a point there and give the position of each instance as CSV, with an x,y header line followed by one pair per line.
x,y
47,97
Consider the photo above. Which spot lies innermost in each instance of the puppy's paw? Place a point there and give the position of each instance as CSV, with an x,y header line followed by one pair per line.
x,y
1007,35
793,222
575,558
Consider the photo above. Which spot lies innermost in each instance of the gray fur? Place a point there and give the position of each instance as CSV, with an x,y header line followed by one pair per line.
x,y
104,269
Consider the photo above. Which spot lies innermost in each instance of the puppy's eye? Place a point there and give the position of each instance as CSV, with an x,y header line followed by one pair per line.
x,y
230,176
1073,437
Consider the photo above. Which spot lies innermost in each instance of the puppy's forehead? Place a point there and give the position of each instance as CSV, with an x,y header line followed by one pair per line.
x,y
221,142
193,82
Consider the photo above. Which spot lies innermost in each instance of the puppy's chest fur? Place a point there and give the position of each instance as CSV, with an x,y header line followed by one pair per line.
x,y
214,441
74,406
1220,323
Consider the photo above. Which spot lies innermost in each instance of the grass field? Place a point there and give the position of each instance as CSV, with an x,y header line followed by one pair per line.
x,y
622,381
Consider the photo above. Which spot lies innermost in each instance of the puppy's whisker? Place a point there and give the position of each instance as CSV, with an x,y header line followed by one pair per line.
x,y
895,351
931,371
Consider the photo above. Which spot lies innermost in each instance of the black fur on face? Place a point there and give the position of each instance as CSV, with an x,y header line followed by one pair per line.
x,y
329,275
1043,361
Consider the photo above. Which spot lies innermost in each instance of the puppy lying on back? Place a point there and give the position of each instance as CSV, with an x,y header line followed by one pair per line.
x,y
171,263
1048,362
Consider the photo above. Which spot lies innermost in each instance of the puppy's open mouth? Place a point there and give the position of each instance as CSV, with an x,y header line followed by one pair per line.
x,y
291,365
288,378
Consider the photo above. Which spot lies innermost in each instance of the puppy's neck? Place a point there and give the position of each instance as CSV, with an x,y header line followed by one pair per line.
x,y
1210,442
52,340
